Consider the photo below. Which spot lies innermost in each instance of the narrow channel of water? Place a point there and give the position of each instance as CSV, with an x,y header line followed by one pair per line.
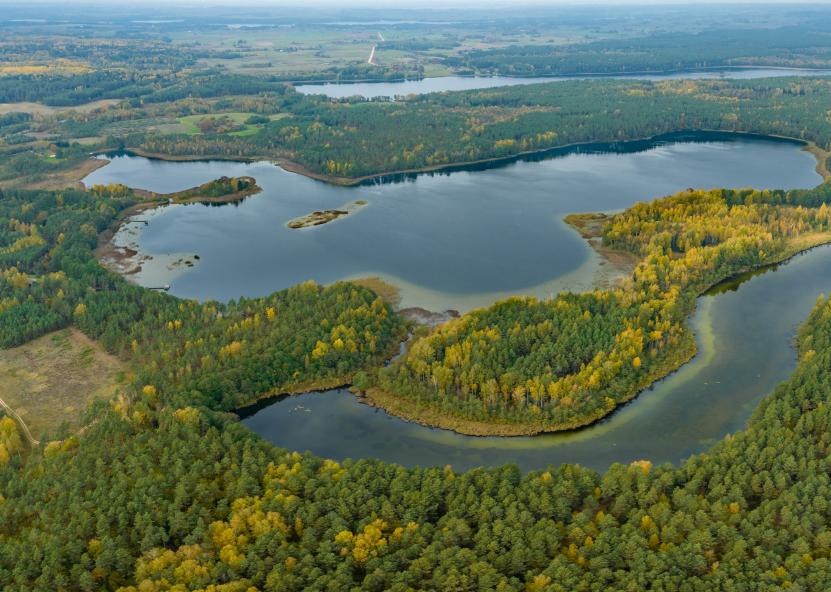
x,y
744,330
371,90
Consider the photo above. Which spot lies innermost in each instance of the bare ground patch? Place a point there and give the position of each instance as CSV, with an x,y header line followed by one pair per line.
x,y
59,179
615,265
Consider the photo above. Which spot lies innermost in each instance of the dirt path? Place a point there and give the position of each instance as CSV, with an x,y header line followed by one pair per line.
x,y
20,421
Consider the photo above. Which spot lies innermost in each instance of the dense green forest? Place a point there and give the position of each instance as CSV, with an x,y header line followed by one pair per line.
x,y
162,492
794,47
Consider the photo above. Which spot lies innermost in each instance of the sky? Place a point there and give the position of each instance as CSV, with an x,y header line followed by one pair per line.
x,y
507,4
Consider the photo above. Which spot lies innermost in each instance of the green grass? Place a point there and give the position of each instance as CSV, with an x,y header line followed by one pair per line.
x,y
190,123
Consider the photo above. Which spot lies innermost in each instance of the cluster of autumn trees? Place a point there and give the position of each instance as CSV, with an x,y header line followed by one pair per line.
x,y
565,362
11,442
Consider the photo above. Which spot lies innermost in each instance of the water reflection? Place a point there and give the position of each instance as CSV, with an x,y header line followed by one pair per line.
x,y
455,240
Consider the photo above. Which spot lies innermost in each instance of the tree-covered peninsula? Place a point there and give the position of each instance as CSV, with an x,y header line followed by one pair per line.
x,y
527,366
351,140
347,141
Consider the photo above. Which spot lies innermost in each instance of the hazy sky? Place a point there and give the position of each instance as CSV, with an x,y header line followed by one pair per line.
x,y
409,3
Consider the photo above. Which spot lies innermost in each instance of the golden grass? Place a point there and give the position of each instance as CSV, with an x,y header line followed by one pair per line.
x,y
53,378
389,293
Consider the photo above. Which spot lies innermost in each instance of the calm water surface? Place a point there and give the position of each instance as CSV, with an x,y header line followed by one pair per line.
x,y
371,90
744,333
463,239
457,240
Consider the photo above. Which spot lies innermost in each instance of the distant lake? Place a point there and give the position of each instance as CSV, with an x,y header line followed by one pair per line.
x,y
449,240
371,90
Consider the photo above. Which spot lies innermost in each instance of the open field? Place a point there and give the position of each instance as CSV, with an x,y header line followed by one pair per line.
x,y
52,379
190,123
304,49
38,109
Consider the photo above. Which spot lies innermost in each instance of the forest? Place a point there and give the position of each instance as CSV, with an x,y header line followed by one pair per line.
x,y
794,47
164,491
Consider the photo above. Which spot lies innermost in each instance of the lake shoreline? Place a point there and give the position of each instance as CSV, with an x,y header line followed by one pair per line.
x,y
621,263
412,411
128,261
554,77
819,154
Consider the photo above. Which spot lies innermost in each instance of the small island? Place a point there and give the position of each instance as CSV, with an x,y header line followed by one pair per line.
x,y
320,217
219,191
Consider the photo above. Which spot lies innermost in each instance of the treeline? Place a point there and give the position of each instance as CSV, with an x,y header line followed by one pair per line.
x,y
77,89
804,46
99,52
563,363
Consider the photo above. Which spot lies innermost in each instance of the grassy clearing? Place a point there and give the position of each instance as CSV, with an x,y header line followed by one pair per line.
x,y
52,379
190,124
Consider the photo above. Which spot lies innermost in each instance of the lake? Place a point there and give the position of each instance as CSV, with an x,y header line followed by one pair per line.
x,y
455,240
371,90
466,238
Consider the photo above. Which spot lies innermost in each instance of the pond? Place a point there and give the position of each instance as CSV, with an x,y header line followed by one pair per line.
x,y
371,90
455,240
